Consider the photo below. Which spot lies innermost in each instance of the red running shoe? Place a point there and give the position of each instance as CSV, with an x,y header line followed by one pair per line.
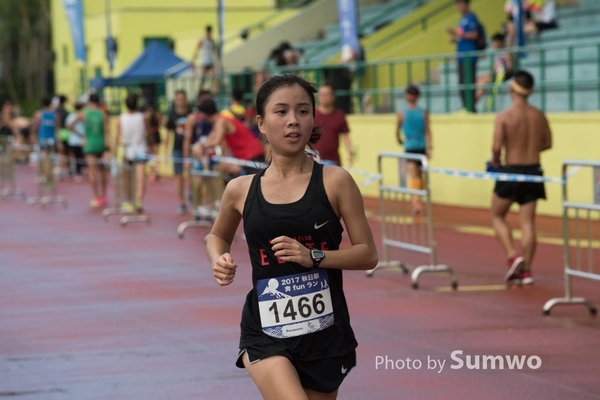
x,y
516,266
526,278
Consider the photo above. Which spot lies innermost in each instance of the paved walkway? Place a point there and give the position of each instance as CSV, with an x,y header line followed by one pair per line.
x,y
92,310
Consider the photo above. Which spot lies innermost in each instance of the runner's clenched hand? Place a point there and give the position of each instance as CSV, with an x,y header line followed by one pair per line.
x,y
224,269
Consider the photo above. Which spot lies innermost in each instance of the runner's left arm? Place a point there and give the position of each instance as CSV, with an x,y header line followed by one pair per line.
x,y
348,201
498,141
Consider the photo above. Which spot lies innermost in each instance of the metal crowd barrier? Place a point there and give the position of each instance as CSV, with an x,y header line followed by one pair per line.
x,y
401,227
580,238
125,183
205,188
8,186
46,160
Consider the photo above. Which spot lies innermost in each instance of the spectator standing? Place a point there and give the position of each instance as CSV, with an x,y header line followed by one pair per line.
x,y
333,125
207,55
466,37
502,69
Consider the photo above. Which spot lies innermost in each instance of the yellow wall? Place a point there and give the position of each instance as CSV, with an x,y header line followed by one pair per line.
x,y
132,20
464,142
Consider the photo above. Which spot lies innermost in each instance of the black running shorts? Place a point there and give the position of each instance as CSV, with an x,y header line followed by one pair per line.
x,y
322,375
521,192
416,151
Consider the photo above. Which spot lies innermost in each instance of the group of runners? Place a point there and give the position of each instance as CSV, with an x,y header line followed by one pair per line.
x,y
296,339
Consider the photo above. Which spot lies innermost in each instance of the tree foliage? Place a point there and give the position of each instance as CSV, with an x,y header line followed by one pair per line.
x,y
26,55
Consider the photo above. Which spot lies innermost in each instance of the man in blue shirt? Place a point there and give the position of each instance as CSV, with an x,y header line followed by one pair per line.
x,y
466,37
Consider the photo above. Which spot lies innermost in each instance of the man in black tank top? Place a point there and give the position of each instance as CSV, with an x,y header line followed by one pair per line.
x,y
296,339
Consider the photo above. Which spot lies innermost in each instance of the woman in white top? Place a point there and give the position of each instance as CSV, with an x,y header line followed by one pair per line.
x,y
76,140
131,134
207,55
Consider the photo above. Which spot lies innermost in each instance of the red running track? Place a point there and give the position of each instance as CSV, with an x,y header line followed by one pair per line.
x,y
92,310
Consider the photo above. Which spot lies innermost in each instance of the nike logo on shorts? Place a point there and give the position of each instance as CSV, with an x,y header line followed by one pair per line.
x,y
344,370
319,226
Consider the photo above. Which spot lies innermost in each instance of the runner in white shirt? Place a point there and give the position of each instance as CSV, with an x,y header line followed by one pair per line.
x,y
131,134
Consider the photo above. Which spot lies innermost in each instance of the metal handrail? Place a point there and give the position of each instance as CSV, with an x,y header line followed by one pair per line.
x,y
371,21
389,77
263,24
376,70
405,28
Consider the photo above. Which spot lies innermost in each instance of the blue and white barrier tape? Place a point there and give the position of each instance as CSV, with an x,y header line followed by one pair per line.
x,y
371,177
497,176
493,176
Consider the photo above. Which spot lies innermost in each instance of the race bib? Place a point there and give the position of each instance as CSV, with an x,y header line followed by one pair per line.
x,y
295,305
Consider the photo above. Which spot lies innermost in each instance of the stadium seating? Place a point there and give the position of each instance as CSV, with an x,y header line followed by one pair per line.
x,y
371,18
579,28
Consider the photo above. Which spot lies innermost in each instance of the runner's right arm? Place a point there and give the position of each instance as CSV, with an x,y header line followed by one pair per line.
x,y
223,231
399,122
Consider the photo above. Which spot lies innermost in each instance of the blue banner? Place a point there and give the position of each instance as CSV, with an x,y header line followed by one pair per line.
x,y
74,10
221,16
518,14
348,16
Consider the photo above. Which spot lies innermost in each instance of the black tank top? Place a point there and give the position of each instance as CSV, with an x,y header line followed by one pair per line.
x,y
301,309
5,130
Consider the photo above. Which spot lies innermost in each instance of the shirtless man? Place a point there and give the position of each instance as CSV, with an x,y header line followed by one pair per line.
x,y
523,132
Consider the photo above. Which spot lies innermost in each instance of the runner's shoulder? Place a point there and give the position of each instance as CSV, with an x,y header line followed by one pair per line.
x,y
238,187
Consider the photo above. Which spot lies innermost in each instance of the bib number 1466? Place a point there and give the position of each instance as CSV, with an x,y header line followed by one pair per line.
x,y
305,307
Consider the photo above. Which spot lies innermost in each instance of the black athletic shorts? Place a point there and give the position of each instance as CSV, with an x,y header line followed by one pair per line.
x,y
543,26
323,375
521,192
527,16
136,161
416,151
